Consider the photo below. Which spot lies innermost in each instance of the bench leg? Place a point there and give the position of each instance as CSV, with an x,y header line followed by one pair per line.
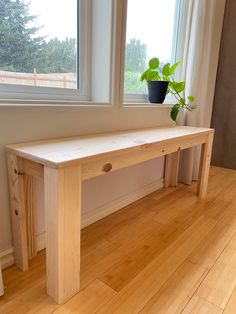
x,y
18,210
172,169
30,215
63,220
204,167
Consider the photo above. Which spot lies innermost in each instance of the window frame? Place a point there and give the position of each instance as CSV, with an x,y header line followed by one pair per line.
x,y
177,53
13,93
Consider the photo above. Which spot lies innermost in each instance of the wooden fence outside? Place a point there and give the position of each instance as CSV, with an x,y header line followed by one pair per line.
x,y
63,80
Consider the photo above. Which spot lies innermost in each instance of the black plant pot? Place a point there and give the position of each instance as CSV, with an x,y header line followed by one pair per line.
x,y
157,91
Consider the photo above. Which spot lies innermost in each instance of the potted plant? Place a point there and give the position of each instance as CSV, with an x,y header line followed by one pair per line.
x,y
160,81
157,85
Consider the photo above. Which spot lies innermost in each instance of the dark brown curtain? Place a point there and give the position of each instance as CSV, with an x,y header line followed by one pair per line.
x,y
224,107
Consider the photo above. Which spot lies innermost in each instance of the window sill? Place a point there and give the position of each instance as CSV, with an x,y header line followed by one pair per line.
x,y
145,105
52,104
90,105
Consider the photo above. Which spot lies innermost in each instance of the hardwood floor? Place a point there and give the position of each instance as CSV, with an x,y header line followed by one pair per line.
x,y
166,253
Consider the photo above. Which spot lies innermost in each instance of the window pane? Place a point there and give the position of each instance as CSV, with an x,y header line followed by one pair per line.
x,y
38,43
150,33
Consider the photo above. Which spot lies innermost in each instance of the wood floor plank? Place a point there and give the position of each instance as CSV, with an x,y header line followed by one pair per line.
x,y
176,292
209,249
88,274
22,302
231,305
219,284
120,274
183,202
198,305
140,290
89,300
165,192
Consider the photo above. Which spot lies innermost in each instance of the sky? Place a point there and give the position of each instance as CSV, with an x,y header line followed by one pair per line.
x,y
151,21
51,15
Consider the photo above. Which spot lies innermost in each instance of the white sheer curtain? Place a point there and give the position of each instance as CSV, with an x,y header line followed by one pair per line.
x,y
202,45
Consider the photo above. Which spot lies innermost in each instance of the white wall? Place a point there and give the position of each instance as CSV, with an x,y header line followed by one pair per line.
x,y
26,124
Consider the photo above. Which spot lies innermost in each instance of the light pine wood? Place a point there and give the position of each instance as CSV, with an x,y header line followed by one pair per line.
x,y
96,168
70,151
204,167
18,213
63,223
111,263
30,215
172,169
33,169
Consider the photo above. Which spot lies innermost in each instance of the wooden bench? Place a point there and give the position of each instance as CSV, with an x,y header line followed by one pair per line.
x,y
63,164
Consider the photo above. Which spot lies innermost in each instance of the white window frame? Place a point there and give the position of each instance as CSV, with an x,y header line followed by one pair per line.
x,y
181,15
12,93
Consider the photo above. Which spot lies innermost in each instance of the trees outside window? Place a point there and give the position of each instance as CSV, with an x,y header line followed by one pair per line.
x,y
19,45
135,63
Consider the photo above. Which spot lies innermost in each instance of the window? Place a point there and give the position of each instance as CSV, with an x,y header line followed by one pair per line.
x,y
36,47
46,49
69,50
151,31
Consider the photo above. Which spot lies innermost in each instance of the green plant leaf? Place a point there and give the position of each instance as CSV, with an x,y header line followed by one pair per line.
x,y
168,90
152,76
178,87
191,98
171,85
154,63
166,78
166,69
173,67
174,111
144,75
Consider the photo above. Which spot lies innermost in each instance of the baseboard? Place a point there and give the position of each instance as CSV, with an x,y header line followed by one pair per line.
x,y
7,257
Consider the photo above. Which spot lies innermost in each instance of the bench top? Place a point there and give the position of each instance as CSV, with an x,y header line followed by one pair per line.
x,y
60,152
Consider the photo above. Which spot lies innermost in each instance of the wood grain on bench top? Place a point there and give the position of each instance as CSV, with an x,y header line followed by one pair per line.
x,y
61,151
